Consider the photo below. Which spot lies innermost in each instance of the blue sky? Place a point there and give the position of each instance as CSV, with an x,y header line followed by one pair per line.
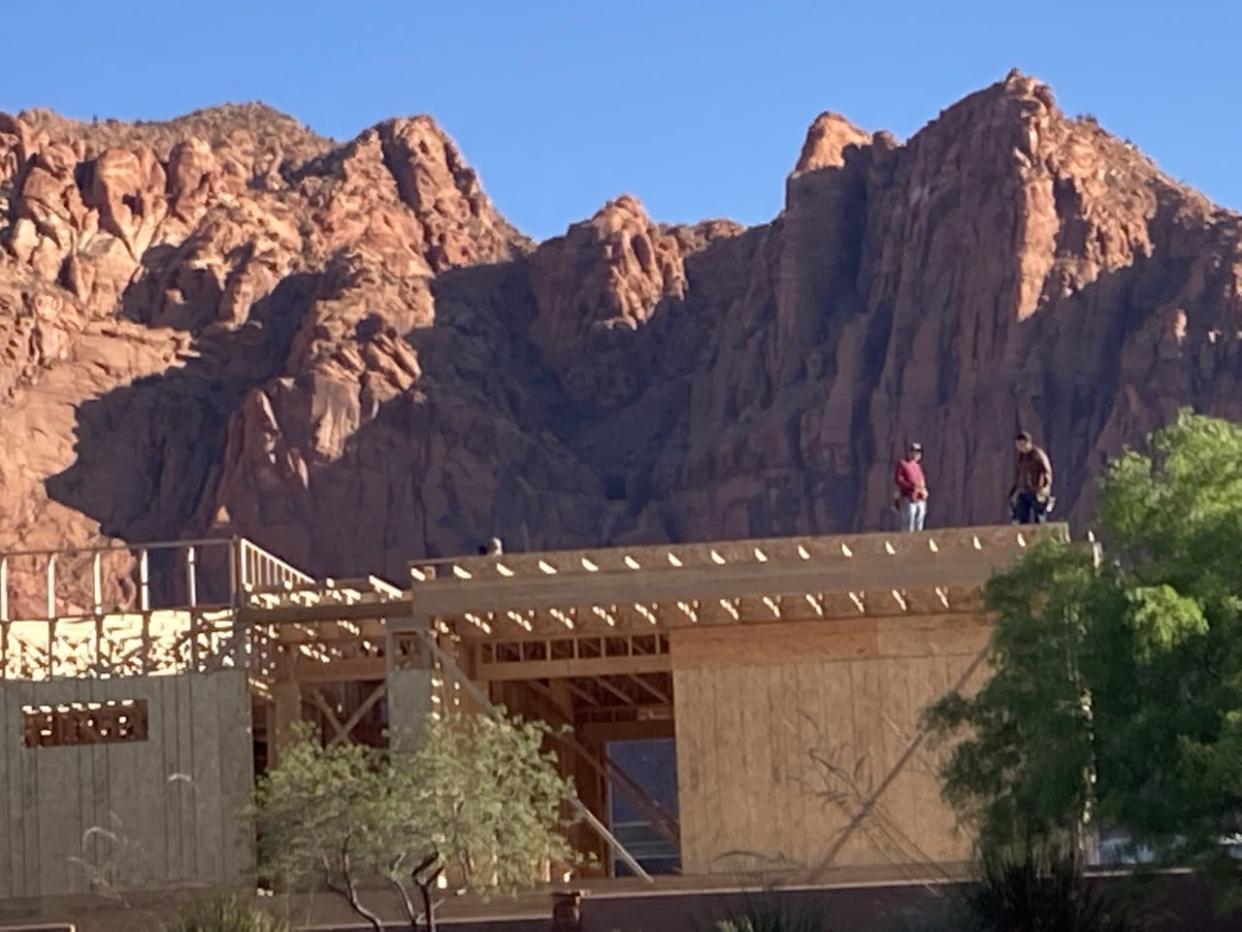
x,y
698,108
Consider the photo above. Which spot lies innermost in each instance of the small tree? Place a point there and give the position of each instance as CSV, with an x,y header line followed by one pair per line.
x,y
478,799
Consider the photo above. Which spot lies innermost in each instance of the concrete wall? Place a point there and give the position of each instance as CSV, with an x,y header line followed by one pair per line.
x,y
163,812
753,706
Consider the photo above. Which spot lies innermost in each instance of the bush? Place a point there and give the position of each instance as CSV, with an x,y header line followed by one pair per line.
x,y
949,914
233,915
769,914
1042,894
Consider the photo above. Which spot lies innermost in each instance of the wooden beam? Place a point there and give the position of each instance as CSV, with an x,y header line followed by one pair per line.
x,y
581,667
601,732
857,564
582,694
651,690
340,671
602,682
326,708
350,723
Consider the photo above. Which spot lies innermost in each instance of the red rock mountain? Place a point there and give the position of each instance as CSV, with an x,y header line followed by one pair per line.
x,y
225,324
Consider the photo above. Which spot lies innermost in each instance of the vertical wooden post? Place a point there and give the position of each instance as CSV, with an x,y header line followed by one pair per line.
x,y
286,712
51,586
144,581
409,683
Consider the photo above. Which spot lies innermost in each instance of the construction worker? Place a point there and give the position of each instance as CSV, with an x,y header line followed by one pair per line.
x,y
1030,496
910,498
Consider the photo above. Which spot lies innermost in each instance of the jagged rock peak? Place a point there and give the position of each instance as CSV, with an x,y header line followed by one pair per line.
x,y
826,141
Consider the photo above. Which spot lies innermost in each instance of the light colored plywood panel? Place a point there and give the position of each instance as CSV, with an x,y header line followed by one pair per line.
x,y
955,840
28,782
163,759
756,827
931,635
865,845
717,758
196,756
725,835
807,715
236,753
773,644
56,792
81,787
745,733
917,784
899,730
787,803
206,823
832,776
8,752
924,678
692,783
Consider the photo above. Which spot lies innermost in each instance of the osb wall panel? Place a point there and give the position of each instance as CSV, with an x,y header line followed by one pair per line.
x,y
783,731
166,811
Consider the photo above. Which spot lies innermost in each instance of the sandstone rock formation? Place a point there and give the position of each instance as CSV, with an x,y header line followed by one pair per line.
x,y
225,324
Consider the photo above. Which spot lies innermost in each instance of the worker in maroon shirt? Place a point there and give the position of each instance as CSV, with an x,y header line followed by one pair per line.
x,y
910,499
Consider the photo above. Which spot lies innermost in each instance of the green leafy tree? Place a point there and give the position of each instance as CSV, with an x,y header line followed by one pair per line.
x,y
478,801
1116,694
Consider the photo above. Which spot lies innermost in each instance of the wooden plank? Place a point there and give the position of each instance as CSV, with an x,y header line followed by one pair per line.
x,y
866,699
178,795
100,808
783,804
776,644
236,757
202,721
582,667
899,728
931,635
806,711
82,788
856,563
340,671
828,689
754,831
933,819
29,802
56,805
691,785
600,732
455,597
8,763
654,558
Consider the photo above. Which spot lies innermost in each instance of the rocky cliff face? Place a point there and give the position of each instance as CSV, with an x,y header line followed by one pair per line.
x,y
225,324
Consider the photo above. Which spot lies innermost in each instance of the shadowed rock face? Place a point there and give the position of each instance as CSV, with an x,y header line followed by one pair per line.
x,y
225,324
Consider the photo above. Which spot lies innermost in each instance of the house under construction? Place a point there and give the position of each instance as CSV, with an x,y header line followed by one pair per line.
x,y
769,691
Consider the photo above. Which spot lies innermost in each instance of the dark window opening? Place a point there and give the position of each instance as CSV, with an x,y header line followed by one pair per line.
x,y
652,764
112,722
